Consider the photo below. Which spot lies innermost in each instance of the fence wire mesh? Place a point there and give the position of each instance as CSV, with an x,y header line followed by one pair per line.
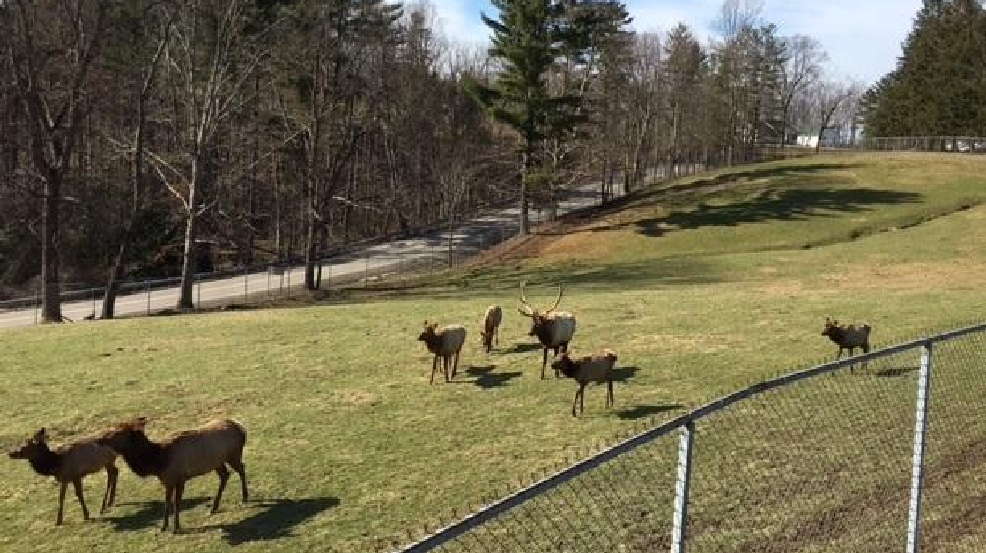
x,y
813,462
954,503
623,505
819,465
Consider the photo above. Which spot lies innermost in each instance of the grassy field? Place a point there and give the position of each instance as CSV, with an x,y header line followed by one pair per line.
x,y
703,286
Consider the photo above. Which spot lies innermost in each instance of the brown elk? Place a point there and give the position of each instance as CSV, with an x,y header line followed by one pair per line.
x,y
181,457
554,329
848,337
491,326
597,367
71,463
446,343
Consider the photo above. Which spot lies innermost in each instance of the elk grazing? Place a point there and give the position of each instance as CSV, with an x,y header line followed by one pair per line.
x,y
847,337
71,463
444,342
597,367
554,329
491,326
181,457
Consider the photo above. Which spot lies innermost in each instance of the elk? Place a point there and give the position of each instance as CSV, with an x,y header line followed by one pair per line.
x,y
71,463
181,457
554,329
491,326
847,337
444,342
597,367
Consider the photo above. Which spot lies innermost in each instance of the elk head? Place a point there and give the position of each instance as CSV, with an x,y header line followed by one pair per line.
x,y
34,445
537,317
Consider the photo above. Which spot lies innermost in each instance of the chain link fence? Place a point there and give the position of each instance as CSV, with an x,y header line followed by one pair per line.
x,y
880,452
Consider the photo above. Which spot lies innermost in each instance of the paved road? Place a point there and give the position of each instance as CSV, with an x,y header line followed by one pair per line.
x,y
391,257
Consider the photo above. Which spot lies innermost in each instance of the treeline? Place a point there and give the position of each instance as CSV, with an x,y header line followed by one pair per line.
x,y
165,137
939,85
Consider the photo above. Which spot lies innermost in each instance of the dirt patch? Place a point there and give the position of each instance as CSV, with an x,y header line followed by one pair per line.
x,y
909,277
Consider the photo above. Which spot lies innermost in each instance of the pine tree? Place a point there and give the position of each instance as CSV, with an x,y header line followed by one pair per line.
x,y
527,39
939,84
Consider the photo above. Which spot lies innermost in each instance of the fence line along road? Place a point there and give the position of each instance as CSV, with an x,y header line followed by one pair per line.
x,y
878,452
429,249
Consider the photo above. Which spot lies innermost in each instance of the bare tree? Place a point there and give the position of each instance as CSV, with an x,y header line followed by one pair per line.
x,y
801,73
211,62
50,48
833,97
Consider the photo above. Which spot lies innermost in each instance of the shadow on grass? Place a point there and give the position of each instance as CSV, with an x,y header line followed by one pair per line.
x,y
777,205
277,519
486,378
622,374
150,513
891,372
644,411
525,348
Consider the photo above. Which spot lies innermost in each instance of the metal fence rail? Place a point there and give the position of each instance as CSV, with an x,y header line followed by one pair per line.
x,y
879,452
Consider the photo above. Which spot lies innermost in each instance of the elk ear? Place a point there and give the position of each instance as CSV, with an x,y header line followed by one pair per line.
x,y
40,435
525,311
138,423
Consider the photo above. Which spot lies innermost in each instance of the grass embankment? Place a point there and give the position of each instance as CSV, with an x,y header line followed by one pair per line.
x,y
703,286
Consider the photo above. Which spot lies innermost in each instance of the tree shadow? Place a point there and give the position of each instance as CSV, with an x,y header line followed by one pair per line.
x,y
276,520
771,204
891,372
150,513
622,374
486,378
644,411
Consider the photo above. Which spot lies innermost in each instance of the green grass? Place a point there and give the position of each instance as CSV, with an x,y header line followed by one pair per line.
x,y
703,286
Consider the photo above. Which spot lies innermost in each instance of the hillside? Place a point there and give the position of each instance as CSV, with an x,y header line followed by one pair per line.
x,y
702,285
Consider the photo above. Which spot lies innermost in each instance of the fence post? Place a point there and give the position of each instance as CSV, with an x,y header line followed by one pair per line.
x,y
917,465
681,487
246,286
147,284
37,305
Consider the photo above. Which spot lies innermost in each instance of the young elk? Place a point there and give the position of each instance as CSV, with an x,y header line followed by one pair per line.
x,y
181,457
848,337
444,342
597,367
491,326
554,329
71,463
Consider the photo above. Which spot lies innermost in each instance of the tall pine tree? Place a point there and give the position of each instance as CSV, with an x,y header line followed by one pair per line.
x,y
527,39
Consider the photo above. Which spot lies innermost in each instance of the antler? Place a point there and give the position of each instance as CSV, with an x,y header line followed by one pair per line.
x,y
561,290
523,296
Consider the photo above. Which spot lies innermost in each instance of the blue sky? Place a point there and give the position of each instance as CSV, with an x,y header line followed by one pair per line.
x,y
862,37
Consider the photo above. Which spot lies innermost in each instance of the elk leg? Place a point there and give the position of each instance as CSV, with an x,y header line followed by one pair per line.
x,y
455,366
575,401
169,492
237,465
609,394
544,362
61,502
77,484
558,349
582,399
434,367
112,473
223,474
179,489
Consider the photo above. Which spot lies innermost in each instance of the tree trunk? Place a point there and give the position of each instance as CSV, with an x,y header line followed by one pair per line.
x,y
189,262
116,273
525,167
51,305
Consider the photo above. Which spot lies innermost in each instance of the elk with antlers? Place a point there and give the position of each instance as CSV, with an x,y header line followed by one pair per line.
x,y
554,329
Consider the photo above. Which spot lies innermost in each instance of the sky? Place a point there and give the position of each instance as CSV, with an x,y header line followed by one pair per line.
x,y
862,37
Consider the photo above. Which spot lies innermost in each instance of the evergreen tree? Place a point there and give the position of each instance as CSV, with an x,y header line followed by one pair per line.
x,y
939,84
527,39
